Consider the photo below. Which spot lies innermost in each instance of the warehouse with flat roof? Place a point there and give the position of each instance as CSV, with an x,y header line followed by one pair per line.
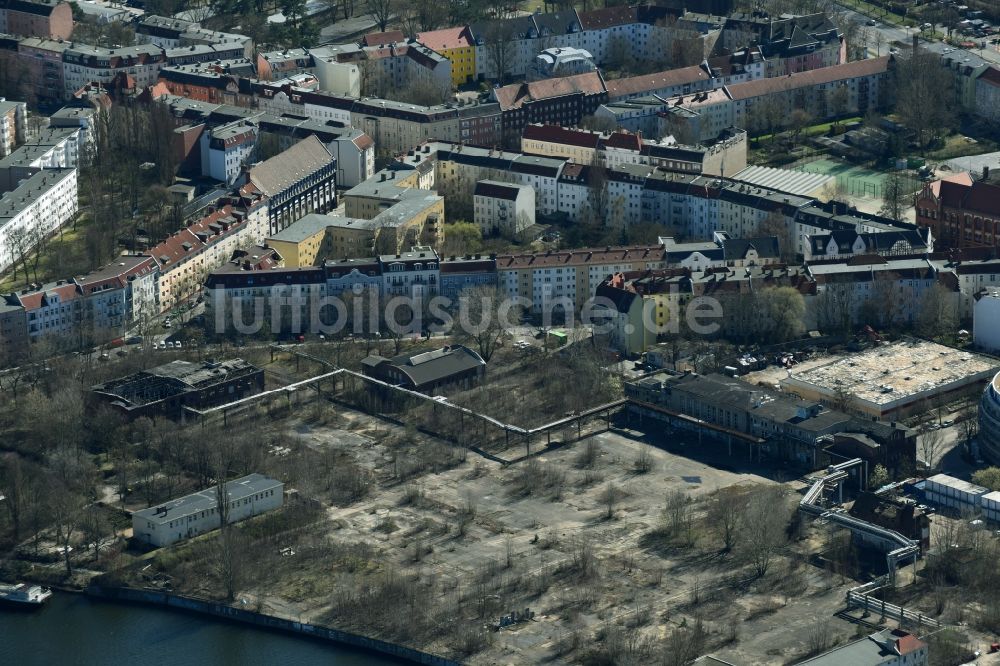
x,y
891,381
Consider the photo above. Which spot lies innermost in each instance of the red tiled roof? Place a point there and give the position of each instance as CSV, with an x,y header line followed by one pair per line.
x,y
963,178
978,197
380,38
635,85
448,38
561,135
36,299
624,140
991,75
909,643
813,77
364,142
516,94
608,17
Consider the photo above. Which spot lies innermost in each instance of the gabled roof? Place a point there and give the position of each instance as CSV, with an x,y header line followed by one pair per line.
x,y
280,172
671,78
446,38
814,77
561,135
977,197
517,94
382,38
431,367
598,19
991,75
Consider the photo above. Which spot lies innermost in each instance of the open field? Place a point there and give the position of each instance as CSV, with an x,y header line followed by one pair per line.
x,y
422,543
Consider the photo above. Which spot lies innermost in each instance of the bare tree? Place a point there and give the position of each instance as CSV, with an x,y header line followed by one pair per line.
x,y
931,442
938,311
724,513
67,506
763,527
679,517
381,11
16,486
923,90
485,316
499,47
895,198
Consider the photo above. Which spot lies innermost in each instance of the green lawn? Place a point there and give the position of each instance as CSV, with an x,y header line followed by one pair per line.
x,y
64,256
958,145
879,13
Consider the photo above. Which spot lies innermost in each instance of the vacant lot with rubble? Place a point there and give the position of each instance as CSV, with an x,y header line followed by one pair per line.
x,y
617,549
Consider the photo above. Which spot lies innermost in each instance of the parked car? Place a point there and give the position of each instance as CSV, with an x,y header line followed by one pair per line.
x,y
178,345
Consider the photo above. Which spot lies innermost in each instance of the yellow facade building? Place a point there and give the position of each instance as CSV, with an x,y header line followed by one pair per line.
x,y
457,45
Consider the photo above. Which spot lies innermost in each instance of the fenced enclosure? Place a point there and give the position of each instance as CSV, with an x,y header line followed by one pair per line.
x,y
852,179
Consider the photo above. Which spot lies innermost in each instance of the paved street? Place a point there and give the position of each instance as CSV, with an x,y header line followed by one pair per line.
x,y
893,34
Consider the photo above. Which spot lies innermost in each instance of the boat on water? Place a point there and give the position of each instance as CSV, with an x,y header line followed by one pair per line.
x,y
24,595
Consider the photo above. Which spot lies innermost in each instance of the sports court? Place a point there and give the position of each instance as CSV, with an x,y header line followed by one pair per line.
x,y
853,180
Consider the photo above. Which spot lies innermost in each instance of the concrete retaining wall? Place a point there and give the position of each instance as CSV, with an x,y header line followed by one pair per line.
x,y
267,621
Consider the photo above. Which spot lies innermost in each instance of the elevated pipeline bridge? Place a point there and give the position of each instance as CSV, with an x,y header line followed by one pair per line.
x,y
898,547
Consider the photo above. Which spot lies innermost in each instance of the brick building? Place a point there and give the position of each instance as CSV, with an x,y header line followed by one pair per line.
x,y
960,212
46,19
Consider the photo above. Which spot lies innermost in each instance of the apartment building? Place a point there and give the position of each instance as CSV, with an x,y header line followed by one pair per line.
x,y
13,125
226,151
299,299
169,32
787,45
503,208
881,291
405,63
987,94
563,101
52,148
461,273
83,64
82,118
47,19
118,296
725,155
38,61
846,243
722,251
457,45
187,257
36,207
564,280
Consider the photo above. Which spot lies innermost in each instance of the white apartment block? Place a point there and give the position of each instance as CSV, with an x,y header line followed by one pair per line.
x,y
503,208
34,209
84,64
225,150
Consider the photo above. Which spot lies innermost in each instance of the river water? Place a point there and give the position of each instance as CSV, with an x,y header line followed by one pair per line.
x,y
73,630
